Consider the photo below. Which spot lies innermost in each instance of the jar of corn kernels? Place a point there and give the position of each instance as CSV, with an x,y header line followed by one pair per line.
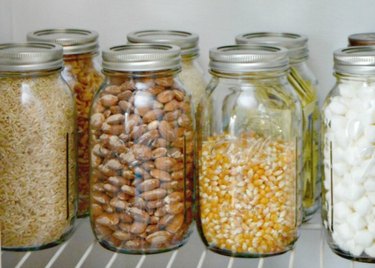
x,y
305,85
249,137
82,73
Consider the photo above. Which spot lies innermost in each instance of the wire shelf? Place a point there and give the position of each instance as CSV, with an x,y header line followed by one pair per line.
x,y
81,250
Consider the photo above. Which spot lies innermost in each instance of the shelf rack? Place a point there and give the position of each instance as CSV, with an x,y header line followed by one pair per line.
x,y
82,251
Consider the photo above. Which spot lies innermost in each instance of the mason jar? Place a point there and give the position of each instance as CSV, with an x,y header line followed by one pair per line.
x,y
142,146
348,136
249,136
37,148
304,83
192,74
82,72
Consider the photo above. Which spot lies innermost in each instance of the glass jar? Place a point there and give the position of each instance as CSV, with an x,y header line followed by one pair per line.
x,y
142,146
37,148
348,133
82,72
249,135
191,75
304,83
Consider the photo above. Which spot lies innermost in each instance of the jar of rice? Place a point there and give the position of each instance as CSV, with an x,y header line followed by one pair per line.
x,y
37,148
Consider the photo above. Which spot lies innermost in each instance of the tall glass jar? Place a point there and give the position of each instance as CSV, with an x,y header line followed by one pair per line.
x,y
191,74
82,72
37,148
249,139
304,83
142,146
348,133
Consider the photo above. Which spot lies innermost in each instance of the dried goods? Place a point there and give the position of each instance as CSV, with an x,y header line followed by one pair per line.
x,y
247,194
142,181
37,171
84,79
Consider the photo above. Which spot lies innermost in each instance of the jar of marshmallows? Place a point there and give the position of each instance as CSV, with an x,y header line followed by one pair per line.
x,y
348,154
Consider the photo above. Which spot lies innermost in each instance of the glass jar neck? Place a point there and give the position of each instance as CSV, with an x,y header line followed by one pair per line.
x,y
354,78
83,56
189,57
250,76
142,74
36,73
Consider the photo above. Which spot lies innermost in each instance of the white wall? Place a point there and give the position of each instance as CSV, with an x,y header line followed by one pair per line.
x,y
326,22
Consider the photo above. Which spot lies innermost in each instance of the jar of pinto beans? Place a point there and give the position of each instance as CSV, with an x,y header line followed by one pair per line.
x,y
82,73
141,145
249,140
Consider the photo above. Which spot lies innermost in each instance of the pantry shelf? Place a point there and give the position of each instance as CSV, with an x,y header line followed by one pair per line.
x,y
81,250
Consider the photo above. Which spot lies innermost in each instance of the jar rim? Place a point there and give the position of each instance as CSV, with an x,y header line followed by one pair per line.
x,y
141,57
73,41
30,56
239,59
187,41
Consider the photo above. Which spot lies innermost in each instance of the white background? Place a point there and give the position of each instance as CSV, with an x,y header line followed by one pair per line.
x,y
327,23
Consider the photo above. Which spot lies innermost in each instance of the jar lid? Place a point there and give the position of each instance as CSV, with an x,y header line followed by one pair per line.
x,y
362,39
295,43
248,58
141,57
74,41
32,56
188,42
355,60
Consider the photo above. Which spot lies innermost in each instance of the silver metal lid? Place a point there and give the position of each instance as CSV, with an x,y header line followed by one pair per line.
x,y
236,59
74,41
295,43
355,60
142,57
32,56
188,42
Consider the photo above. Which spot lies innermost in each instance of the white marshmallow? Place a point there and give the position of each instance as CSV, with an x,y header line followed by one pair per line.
x,y
357,174
364,239
369,184
356,221
355,248
339,169
340,241
344,231
337,107
362,206
354,129
354,191
340,191
371,197
370,133
338,155
342,211
371,251
347,91
371,225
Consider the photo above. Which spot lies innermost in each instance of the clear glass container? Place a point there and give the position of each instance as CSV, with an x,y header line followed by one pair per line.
x,y
82,72
304,83
192,74
142,147
249,139
348,132
37,148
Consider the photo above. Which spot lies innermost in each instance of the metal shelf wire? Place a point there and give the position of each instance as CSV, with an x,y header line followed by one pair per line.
x,y
81,250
